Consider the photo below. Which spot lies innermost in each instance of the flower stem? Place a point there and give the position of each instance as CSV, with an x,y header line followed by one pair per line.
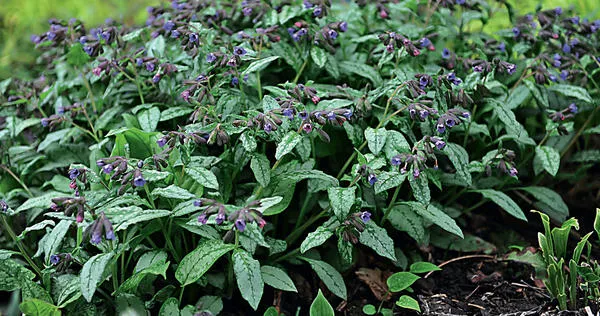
x,y
389,208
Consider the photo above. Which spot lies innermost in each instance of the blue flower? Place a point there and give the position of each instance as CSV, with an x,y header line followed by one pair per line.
x,y
139,181
333,34
441,128
156,78
268,128
162,141
573,108
235,81
348,114
317,11
502,47
564,74
396,161
74,173
107,169
331,116
303,115
211,58
240,224
289,113
88,50
307,4
54,259
516,31
45,121
247,11
220,218
203,219
372,178
365,216
193,37
105,35
239,51
558,11
566,48
198,203
175,34
344,26
169,25
416,172
150,66
446,53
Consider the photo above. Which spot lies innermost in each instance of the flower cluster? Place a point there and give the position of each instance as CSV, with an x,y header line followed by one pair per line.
x,y
392,40
122,173
450,119
503,159
100,226
240,218
354,225
421,153
70,205
566,113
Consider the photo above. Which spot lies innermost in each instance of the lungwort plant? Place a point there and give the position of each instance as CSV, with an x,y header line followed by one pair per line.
x,y
223,150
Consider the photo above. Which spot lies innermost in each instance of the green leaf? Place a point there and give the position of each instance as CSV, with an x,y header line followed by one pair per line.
x,y
518,97
261,168
132,35
169,308
375,139
36,307
259,65
13,275
174,112
38,226
196,263
320,306
129,304
369,309
438,217
408,302
203,177
213,304
387,180
55,238
366,71
131,284
66,289
330,276
149,119
248,276
591,155
92,274
550,202
400,281
404,218
597,223
460,159
150,258
316,238
77,56
506,116
173,192
52,138
287,144
546,158
504,201
39,202
395,144
420,188
125,220
319,56
271,311
248,141
572,91
277,278
423,267
377,239
269,103
341,200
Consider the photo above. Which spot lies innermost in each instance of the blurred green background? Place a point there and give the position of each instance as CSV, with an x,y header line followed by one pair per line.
x,y
19,19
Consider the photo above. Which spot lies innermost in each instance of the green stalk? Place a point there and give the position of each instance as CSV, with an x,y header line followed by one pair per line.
x,y
12,235
389,208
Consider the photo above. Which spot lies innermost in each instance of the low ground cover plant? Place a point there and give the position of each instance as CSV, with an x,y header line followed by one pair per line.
x,y
207,161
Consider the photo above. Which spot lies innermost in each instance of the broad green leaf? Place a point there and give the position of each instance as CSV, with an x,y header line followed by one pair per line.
x,y
316,238
36,307
130,305
38,226
366,71
196,263
319,56
213,304
55,238
92,274
420,188
341,201
395,144
287,144
248,277
253,232
128,219
173,192
259,65
248,141
518,96
592,155
271,311
330,276
408,302
546,158
133,35
438,217
400,281
131,284
277,278
203,177
334,104
597,223
460,159
375,139
169,308
377,239
423,267
572,91
504,201
513,127
173,112
66,289
5,254
13,275
150,258
261,168
269,103
404,218
149,119
53,137
550,202
320,306
76,56
387,180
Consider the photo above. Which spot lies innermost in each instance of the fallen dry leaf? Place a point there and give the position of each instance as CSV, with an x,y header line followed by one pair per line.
x,y
375,280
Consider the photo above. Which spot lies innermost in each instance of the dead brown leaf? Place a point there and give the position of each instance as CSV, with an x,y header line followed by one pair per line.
x,y
375,280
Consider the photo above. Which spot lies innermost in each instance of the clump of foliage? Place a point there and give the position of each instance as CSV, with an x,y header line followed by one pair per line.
x,y
223,146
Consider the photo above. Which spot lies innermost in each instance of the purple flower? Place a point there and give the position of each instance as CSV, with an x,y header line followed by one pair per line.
x,y
156,78
239,51
307,127
564,74
372,178
575,20
247,11
45,121
566,48
574,42
333,34
220,218
211,58
446,53
150,66
441,128
193,37
51,35
425,42
139,181
288,113
423,114
88,50
74,173
347,114
450,122
107,169
556,63
240,224
396,161
291,30
553,78
331,116
452,78
96,237
100,163
344,26
268,128
423,81
303,115
511,68
162,141
516,31
139,62
478,68
198,203
169,25
246,78
416,172
235,81
513,172
573,108
317,11
36,39
307,4
54,259
460,2
203,219
502,47
105,35
175,34
365,216
439,144
558,11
